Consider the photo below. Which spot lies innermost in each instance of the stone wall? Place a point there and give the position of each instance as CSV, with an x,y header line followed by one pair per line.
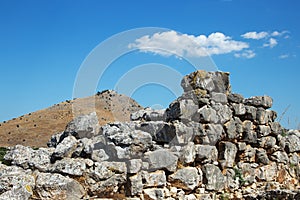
x,y
209,144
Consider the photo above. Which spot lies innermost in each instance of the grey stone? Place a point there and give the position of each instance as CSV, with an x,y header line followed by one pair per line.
x,y
262,156
65,148
83,126
247,173
292,141
219,97
267,172
207,115
149,114
260,101
275,127
212,134
263,130
55,139
210,81
280,157
206,153
239,109
267,142
188,153
99,155
265,116
56,186
251,113
26,157
134,165
249,135
214,177
183,110
248,154
187,178
154,194
15,182
161,159
235,98
223,112
227,154
70,166
135,185
155,179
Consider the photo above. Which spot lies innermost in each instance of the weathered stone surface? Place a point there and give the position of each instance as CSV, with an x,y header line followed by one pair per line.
x,y
55,139
154,194
155,179
262,156
212,134
83,126
267,142
239,109
223,112
210,81
183,110
214,177
248,154
56,186
259,101
227,155
247,173
219,97
65,148
135,185
291,142
250,113
161,159
206,153
207,115
188,153
15,183
235,98
280,156
263,130
26,157
149,114
134,165
267,172
75,167
249,135
265,116
187,178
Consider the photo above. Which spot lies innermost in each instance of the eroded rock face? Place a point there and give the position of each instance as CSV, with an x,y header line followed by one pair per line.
x,y
207,141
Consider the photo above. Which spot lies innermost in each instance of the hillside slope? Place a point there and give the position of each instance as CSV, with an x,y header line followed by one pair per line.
x,y
34,129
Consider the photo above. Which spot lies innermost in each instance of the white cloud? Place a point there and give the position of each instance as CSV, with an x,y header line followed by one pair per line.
x,y
255,35
172,43
284,56
246,54
272,43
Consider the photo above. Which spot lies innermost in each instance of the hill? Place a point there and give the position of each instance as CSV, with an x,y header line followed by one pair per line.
x,y
35,129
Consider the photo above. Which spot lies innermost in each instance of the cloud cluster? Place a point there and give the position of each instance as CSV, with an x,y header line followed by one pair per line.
x,y
173,43
272,42
183,45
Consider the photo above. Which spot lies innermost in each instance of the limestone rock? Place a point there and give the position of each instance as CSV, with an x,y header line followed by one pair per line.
x,y
161,159
206,153
155,179
83,126
214,177
209,81
187,178
260,101
75,167
228,152
56,186
65,148
154,194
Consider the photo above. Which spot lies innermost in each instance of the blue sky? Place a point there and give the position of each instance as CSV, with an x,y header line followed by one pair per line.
x,y
43,44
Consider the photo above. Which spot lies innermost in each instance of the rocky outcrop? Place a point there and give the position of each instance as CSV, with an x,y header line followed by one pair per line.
x,y
209,144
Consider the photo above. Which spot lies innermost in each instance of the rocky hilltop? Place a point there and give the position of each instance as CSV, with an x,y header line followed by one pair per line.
x,y
36,128
209,144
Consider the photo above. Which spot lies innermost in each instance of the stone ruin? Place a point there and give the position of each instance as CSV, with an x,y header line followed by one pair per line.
x,y
209,144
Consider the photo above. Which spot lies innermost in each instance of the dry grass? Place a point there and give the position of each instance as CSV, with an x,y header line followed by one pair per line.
x,y
35,129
